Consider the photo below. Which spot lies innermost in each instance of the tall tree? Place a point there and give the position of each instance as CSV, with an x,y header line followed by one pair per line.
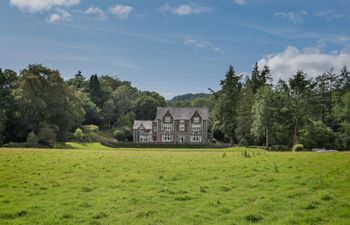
x,y
342,114
326,84
108,112
7,81
300,91
95,90
263,114
226,108
45,104
255,78
245,113
344,79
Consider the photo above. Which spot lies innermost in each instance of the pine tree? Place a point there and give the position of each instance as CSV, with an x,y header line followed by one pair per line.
x,y
95,90
255,78
244,114
226,108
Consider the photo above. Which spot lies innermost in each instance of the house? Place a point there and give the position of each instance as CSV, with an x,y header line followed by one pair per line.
x,y
176,125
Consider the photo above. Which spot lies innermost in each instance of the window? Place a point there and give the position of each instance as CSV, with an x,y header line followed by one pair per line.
x,y
196,127
167,119
167,127
167,138
145,137
155,127
196,119
196,138
181,127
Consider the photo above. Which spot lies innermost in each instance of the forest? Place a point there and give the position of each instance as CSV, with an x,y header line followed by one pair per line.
x,y
39,107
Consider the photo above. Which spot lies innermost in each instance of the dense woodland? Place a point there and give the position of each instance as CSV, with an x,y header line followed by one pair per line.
x,y
39,107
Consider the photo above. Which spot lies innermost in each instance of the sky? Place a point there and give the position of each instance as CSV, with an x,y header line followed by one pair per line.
x,y
175,47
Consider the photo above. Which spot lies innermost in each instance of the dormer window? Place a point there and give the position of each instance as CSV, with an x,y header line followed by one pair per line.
x,y
196,119
167,119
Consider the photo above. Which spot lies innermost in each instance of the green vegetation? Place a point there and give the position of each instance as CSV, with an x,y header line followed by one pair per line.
x,y
94,184
39,107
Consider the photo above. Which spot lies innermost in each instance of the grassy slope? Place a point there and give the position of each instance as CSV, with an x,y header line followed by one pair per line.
x,y
172,187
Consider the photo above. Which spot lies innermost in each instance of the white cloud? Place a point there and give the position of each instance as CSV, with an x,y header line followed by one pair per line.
x,y
122,11
239,2
41,5
311,60
60,15
93,10
184,9
202,44
295,17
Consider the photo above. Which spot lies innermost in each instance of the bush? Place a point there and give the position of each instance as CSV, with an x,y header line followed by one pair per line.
x,y
123,134
32,139
79,134
243,142
119,134
317,135
298,148
280,148
47,135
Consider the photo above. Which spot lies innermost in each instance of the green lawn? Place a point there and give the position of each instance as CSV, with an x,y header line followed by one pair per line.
x,y
135,186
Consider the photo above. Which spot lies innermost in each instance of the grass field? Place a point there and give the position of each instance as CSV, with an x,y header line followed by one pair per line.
x,y
92,184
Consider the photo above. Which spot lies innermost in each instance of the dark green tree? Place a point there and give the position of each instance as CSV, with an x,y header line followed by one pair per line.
x,y
45,104
300,90
245,113
95,91
146,107
7,82
226,107
342,115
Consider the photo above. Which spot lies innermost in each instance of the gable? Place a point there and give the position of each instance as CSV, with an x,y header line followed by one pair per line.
x,y
196,115
182,113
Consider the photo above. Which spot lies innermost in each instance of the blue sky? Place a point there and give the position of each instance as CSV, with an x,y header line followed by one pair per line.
x,y
175,47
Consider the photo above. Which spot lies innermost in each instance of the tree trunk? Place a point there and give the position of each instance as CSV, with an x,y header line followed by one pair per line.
x,y
295,139
232,142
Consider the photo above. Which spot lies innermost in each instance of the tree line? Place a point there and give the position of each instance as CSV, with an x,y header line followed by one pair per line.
x,y
312,112
38,105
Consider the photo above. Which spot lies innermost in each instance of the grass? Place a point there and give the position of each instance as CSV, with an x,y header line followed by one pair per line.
x,y
94,184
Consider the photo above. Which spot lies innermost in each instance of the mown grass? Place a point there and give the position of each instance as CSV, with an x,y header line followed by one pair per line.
x,y
107,186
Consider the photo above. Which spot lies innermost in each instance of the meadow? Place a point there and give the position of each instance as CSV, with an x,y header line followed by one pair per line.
x,y
93,184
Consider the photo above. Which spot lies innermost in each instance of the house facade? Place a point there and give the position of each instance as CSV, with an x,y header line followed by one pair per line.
x,y
174,125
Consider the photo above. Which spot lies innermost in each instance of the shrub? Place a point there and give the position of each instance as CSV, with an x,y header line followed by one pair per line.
x,y
32,139
317,135
298,148
79,134
47,135
123,134
243,142
119,134
280,148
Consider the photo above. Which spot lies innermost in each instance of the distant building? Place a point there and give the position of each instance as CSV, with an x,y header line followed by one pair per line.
x,y
176,125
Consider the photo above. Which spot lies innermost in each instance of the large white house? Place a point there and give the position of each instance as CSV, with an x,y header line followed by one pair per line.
x,y
175,125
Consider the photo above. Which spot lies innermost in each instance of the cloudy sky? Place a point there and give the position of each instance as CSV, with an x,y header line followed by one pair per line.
x,y
175,47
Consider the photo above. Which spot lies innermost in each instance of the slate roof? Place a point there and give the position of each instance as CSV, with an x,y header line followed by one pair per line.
x,y
146,123
183,113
